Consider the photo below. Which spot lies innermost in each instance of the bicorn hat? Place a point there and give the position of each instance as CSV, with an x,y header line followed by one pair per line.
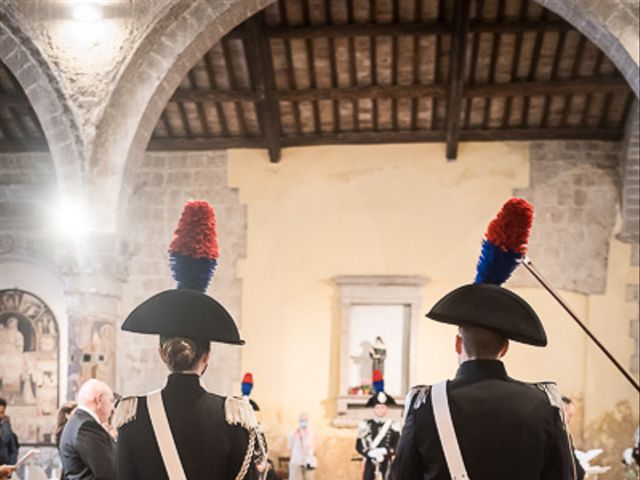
x,y
187,311
485,303
493,307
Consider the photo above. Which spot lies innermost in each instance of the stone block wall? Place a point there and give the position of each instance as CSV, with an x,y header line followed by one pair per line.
x,y
27,186
630,179
162,185
633,297
574,188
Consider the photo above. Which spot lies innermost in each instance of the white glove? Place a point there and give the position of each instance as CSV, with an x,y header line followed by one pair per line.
x,y
377,454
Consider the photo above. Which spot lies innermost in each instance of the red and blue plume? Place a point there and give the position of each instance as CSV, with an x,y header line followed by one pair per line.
x,y
247,384
378,381
194,248
505,242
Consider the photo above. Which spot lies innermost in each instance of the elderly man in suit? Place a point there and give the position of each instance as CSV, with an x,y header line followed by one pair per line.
x,y
87,450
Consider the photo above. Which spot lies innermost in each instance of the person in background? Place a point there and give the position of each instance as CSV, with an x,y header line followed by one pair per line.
x,y
87,450
303,462
8,439
64,413
378,436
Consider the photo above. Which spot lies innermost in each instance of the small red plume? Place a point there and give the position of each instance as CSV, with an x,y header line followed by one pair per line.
x,y
377,376
510,229
248,378
196,233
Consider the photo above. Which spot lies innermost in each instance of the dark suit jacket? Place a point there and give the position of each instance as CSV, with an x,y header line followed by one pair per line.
x,y
506,430
8,443
209,448
87,451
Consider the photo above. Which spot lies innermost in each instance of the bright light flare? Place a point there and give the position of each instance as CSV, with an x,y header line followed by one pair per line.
x,y
86,11
71,220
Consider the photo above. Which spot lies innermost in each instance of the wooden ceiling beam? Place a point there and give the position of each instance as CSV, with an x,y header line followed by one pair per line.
x,y
364,92
528,134
203,143
214,96
575,86
365,137
456,75
263,78
409,28
379,137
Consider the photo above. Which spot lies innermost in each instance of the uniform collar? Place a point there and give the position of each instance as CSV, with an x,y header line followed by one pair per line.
x,y
482,369
184,381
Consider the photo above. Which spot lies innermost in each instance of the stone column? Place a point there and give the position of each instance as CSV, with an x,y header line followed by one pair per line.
x,y
94,274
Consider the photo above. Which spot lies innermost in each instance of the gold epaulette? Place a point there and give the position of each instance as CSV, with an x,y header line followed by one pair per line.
x,y
238,411
125,412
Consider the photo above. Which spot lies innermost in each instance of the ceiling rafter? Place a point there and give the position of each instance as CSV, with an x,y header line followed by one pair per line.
x,y
517,88
456,75
385,136
261,68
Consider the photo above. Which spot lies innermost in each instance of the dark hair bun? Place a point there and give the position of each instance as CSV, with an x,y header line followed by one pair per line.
x,y
181,354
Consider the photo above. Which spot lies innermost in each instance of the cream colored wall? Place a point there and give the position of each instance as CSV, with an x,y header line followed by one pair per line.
x,y
388,210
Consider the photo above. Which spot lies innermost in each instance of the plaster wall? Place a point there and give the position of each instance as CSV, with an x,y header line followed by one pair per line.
x,y
400,210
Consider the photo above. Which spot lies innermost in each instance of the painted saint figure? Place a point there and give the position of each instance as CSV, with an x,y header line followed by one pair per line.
x,y
11,359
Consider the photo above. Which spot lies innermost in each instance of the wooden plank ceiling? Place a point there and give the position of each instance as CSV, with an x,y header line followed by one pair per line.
x,y
315,72
311,72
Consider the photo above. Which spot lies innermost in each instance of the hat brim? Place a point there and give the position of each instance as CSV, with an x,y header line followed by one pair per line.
x,y
373,401
184,313
254,405
493,307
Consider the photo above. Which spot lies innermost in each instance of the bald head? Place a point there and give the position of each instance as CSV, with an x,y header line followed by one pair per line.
x,y
96,396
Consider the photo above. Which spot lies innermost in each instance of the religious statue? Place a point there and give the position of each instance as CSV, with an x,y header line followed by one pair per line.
x,y
378,353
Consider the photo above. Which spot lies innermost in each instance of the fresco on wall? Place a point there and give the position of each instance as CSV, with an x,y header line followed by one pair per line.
x,y
98,353
29,364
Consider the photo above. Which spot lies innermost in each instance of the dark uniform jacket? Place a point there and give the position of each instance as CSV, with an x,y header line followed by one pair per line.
x,y
209,448
8,443
369,431
87,451
506,430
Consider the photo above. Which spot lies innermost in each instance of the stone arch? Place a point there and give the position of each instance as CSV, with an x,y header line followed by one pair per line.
x,y
604,24
24,59
177,41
